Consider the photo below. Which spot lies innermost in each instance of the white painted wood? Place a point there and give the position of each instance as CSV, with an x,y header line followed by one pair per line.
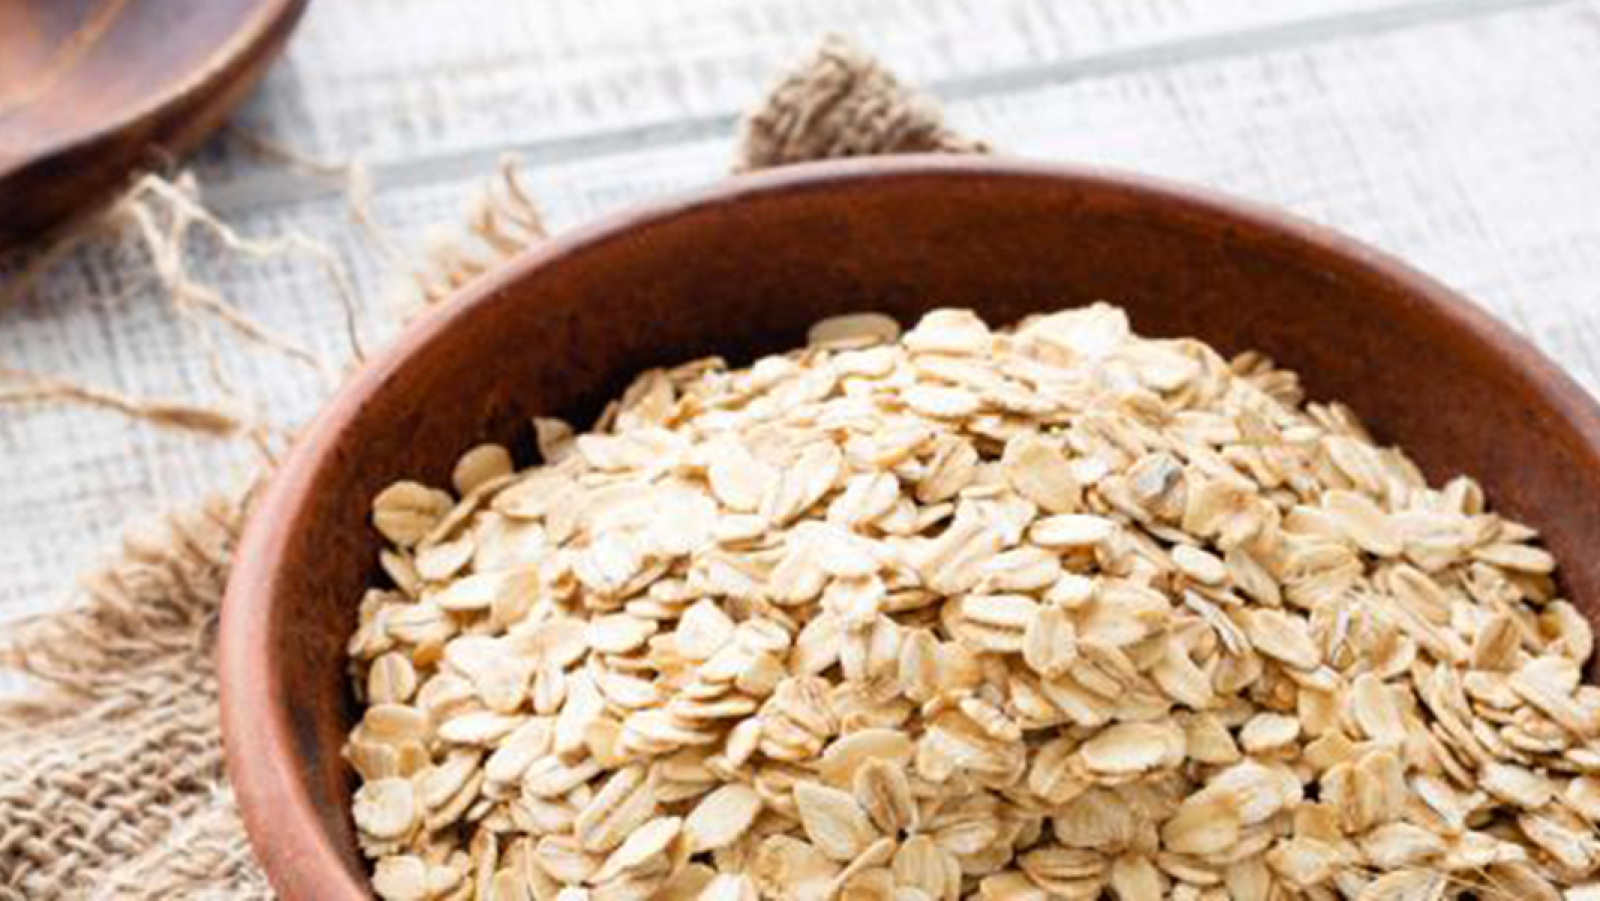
x,y
1458,134
408,78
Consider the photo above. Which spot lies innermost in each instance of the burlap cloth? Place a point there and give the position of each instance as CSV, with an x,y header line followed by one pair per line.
x,y
111,774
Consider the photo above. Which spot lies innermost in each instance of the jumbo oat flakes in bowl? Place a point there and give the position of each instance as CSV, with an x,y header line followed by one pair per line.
x,y
1046,612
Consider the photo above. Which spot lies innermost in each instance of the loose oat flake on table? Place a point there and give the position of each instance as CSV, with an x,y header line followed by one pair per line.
x,y
1047,612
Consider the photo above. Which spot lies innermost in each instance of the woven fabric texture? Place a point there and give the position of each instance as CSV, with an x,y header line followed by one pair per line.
x,y
111,773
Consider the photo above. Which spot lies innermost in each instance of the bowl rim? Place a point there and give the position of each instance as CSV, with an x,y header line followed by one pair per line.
x,y
302,861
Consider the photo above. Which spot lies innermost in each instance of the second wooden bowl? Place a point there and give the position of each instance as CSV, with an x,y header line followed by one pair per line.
x,y
743,269
91,91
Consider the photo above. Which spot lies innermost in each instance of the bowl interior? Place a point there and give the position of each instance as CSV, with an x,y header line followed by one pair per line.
x,y
743,270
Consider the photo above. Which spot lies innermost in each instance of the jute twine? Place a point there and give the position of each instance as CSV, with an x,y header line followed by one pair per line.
x,y
111,772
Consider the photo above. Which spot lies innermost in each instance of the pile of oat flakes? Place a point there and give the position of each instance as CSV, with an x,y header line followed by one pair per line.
x,y
1049,612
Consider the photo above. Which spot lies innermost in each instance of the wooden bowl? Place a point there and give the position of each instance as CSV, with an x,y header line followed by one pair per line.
x,y
93,90
744,268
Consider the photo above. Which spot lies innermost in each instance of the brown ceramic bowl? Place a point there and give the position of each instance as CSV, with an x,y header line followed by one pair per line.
x,y
742,269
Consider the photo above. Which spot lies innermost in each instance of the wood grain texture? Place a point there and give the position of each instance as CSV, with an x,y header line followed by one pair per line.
x,y
1458,135
92,89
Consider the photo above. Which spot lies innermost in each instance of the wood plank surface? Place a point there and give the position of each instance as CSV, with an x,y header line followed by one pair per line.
x,y
1457,134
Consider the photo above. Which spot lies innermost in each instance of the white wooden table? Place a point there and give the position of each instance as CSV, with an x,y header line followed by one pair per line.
x,y
1463,135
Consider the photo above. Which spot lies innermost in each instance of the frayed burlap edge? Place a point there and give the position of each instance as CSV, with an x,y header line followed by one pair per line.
x,y
842,103
111,778
111,772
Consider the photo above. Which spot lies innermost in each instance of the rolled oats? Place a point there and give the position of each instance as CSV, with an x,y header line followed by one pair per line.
x,y
722,817
1048,612
386,808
